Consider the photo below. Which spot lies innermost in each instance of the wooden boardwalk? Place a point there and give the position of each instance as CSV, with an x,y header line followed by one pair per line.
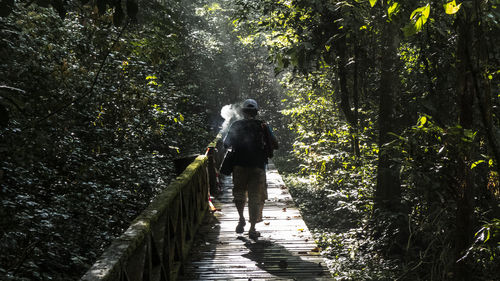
x,y
285,250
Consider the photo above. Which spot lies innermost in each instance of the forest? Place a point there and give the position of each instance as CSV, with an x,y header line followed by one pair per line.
x,y
387,113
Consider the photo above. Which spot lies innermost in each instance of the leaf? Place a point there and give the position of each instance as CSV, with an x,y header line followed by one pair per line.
x,y
476,163
487,235
214,7
419,17
373,2
470,135
451,7
393,9
441,150
421,121
425,10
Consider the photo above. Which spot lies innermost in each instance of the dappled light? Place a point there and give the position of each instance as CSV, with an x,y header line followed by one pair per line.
x,y
113,116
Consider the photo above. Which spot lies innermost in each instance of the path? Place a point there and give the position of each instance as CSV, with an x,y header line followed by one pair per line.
x,y
285,250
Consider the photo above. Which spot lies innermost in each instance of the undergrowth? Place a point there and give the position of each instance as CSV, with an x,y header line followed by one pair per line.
x,y
339,221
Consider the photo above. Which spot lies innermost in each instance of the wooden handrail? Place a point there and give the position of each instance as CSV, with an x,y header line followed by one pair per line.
x,y
159,239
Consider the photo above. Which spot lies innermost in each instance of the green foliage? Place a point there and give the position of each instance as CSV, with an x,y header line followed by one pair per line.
x,y
332,187
329,56
96,116
92,115
486,246
61,7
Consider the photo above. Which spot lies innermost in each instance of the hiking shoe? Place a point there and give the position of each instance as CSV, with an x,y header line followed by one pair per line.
x,y
241,226
253,234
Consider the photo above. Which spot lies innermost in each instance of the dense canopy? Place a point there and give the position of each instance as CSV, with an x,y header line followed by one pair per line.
x,y
387,112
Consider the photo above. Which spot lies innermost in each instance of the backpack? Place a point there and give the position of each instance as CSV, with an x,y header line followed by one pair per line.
x,y
251,136
260,138
252,142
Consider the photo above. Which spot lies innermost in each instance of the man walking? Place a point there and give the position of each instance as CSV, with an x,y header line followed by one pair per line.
x,y
252,142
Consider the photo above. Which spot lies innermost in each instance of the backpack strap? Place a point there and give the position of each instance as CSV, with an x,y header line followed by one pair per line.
x,y
270,142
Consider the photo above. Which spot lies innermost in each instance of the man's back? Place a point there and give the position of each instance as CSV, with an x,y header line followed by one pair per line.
x,y
247,140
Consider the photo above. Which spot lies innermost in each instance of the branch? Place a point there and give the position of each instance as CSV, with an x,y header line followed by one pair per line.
x,y
12,89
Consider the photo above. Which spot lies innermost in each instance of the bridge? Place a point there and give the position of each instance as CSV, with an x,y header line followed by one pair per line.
x,y
178,237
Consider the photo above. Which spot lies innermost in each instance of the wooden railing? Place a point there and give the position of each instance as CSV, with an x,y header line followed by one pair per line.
x,y
159,239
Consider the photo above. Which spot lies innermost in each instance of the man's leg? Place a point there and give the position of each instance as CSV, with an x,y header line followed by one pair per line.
x,y
240,206
256,198
240,196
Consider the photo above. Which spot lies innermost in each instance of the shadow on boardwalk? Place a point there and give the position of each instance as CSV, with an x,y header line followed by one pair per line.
x,y
278,261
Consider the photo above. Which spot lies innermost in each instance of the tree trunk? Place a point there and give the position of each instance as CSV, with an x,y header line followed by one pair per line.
x,y
465,94
345,103
388,190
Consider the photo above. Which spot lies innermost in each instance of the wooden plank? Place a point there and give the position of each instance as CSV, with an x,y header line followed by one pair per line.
x,y
285,250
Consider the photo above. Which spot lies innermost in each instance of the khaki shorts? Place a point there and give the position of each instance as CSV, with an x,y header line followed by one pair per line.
x,y
250,183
